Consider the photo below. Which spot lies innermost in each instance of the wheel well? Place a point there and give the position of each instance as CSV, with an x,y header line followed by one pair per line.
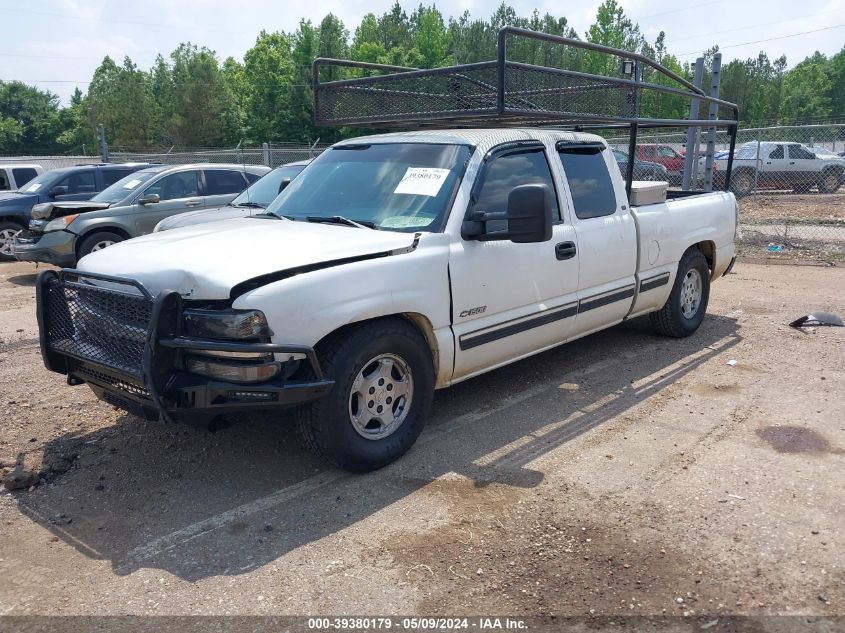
x,y
13,218
708,249
418,321
101,229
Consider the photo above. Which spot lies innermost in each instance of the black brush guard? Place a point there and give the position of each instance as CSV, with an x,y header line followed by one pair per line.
x,y
127,345
503,92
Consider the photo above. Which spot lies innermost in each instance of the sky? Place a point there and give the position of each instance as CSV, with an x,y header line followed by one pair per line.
x,y
57,44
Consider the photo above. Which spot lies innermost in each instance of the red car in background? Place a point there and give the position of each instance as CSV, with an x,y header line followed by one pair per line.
x,y
666,155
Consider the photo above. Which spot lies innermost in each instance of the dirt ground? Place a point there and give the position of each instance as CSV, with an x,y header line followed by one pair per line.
x,y
623,474
780,205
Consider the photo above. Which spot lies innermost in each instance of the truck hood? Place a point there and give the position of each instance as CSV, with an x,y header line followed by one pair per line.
x,y
206,261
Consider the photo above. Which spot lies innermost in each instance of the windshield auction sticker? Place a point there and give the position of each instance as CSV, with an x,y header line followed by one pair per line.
x,y
422,181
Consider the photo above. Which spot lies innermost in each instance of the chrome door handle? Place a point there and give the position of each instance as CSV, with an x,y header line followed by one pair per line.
x,y
193,203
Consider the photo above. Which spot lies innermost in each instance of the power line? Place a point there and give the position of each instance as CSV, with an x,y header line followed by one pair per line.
x,y
754,26
769,39
687,8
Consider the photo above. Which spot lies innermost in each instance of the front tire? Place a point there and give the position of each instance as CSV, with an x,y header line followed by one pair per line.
x,y
384,385
97,242
684,310
8,232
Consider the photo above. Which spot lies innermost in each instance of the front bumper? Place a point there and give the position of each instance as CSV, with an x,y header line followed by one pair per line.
x,y
55,247
126,345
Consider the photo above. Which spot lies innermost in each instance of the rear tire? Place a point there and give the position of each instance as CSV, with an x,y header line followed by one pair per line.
x,y
362,425
742,183
830,181
684,309
8,233
98,241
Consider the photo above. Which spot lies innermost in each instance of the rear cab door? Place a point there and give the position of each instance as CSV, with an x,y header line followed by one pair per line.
x,y
802,164
510,300
605,232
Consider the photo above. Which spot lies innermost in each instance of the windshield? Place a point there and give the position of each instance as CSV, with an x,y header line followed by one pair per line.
x,y
394,186
41,183
124,187
263,191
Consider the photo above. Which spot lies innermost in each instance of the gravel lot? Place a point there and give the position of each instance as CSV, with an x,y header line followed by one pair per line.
x,y
622,474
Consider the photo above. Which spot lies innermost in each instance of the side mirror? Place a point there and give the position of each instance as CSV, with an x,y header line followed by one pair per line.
x,y
283,185
150,198
57,191
530,214
528,218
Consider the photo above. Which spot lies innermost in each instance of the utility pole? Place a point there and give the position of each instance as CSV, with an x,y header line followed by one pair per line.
x,y
715,78
104,147
691,156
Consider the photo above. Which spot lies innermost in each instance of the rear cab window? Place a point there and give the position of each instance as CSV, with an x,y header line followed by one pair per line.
x,y
23,175
111,176
4,181
592,190
220,182
507,170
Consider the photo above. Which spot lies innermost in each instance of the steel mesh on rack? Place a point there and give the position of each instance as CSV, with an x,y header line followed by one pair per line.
x,y
106,326
501,92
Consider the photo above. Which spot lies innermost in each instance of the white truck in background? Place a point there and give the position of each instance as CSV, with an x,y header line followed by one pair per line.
x,y
392,266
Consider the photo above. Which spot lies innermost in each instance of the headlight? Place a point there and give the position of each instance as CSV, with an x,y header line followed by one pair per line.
x,y
225,324
233,371
41,211
60,224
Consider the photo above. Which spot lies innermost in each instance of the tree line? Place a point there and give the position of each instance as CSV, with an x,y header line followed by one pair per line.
x,y
192,99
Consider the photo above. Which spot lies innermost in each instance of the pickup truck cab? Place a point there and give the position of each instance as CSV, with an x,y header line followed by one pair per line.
x,y
780,165
393,265
13,176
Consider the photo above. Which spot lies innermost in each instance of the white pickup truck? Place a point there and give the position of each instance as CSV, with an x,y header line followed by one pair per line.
x,y
392,266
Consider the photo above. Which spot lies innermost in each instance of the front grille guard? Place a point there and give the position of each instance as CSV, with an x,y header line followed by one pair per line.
x,y
146,352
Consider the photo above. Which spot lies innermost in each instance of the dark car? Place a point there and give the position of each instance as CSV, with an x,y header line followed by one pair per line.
x,y
67,184
643,170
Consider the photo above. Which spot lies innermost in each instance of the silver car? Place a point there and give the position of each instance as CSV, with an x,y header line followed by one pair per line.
x,y
62,232
253,200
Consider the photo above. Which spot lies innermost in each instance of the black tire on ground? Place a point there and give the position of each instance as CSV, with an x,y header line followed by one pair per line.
x,y
326,425
7,231
99,238
830,181
670,320
742,182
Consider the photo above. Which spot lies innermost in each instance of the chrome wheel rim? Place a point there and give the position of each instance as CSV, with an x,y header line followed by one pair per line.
x,y
7,238
101,245
380,397
830,181
691,291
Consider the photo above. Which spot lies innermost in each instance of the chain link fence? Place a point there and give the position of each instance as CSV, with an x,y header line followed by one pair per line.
x,y
790,182
270,154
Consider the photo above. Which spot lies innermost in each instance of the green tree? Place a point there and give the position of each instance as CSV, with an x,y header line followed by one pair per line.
x,y
807,89
121,98
267,77
611,28
29,118
430,37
